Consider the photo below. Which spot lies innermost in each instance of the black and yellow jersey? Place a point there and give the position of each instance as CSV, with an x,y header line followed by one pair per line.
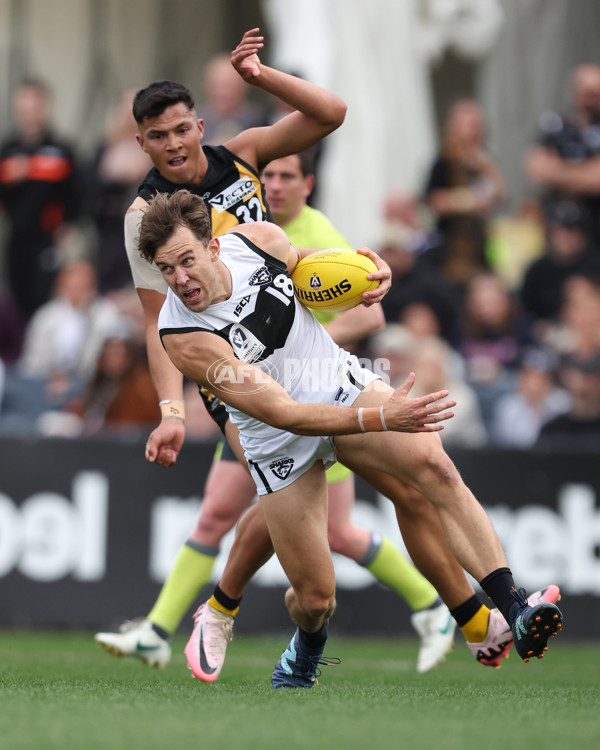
x,y
231,188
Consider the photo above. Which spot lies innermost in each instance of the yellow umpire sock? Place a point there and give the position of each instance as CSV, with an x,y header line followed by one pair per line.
x,y
192,571
388,565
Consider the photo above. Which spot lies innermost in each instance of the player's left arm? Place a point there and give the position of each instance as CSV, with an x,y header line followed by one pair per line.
x,y
318,112
208,360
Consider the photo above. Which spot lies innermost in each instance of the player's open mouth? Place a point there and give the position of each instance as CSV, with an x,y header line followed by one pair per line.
x,y
192,295
177,161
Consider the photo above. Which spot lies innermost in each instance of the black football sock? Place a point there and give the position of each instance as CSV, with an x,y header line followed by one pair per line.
x,y
220,601
315,640
498,585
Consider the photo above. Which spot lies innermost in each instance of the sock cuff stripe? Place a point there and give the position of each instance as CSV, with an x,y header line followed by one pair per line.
x,y
212,602
204,549
372,550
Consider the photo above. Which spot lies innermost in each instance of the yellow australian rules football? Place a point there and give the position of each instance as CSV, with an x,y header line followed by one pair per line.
x,y
333,280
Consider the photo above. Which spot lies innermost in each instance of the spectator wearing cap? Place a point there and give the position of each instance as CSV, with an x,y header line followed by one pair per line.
x,y
536,399
566,160
579,428
568,252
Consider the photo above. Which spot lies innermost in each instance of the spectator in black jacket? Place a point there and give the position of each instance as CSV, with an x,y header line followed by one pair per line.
x,y
38,195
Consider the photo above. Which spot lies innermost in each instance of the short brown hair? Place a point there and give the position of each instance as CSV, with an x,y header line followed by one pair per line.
x,y
166,213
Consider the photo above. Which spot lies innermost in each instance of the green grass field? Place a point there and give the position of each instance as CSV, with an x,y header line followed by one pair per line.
x,y
60,690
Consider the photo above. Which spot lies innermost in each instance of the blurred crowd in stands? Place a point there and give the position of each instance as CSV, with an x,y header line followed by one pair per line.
x,y
499,304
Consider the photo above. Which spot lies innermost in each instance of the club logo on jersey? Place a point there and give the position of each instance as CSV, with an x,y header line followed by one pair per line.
x,y
315,282
282,467
245,344
261,276
232,194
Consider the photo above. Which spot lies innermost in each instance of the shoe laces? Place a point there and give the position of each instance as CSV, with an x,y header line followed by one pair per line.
x,y
329,661
520,596
314,662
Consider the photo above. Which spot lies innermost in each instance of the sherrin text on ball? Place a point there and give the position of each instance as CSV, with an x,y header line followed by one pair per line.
x,y
333,280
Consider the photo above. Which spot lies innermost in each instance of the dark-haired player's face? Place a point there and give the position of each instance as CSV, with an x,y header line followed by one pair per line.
x,y
172,141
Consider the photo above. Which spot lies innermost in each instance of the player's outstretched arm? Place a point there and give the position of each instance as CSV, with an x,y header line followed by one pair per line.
x,y
208,360
318,111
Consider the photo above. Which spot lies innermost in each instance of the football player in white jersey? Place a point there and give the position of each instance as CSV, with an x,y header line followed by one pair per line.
x,y
242,355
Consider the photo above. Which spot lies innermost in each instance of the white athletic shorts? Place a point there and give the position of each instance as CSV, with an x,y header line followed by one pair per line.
x,y
280,469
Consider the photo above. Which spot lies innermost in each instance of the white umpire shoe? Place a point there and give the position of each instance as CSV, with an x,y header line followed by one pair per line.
x,y
436,629
137,638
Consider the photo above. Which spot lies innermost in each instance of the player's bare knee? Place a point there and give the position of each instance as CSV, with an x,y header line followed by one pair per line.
x,y
318,603
215,524
437,469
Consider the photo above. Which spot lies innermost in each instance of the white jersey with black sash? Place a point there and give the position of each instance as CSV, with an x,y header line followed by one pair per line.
x,y
268,328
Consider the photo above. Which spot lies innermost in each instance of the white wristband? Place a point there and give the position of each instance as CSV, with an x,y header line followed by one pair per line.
x,y
360,419
383,424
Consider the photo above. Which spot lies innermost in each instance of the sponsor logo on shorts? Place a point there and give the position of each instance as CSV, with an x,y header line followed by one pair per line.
x,y
261,276
233,194
338,394
282,467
